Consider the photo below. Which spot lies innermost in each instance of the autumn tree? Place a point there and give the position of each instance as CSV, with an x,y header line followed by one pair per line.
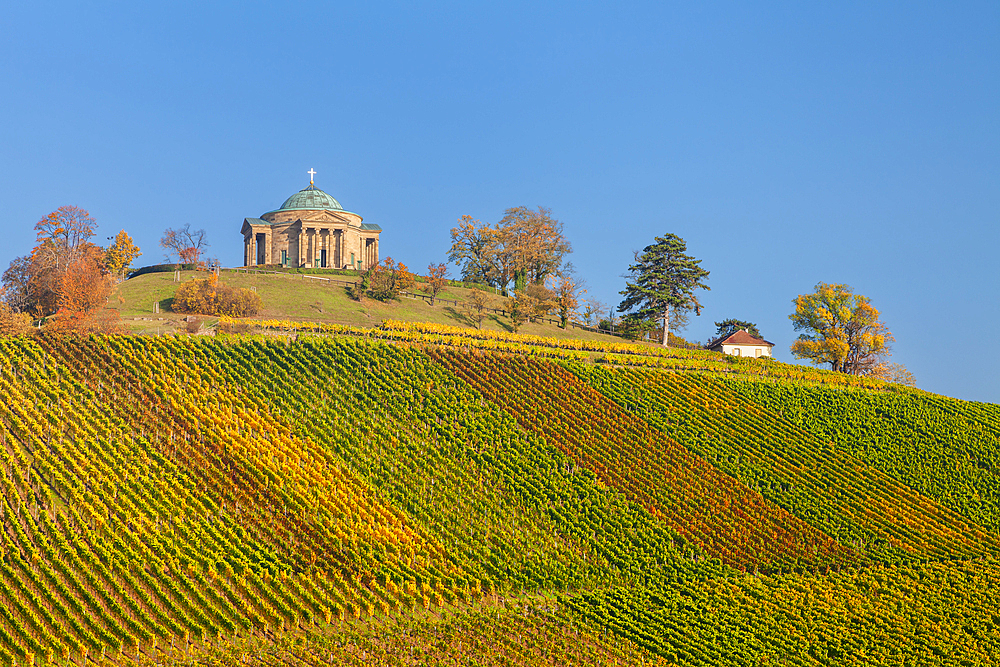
x,y
12,322
520,307
16,285
536,243
82,294
33,283
436,280
663,277
68,227
63,237
120,255
472,248
525,247
893,373
729,327
65,277
188,244
840,328
476,305
382,281
567,292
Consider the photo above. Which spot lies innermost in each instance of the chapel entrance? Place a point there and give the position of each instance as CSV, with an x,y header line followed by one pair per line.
x,y
261,249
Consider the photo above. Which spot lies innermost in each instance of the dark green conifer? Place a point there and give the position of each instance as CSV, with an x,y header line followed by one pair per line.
x,y
663,277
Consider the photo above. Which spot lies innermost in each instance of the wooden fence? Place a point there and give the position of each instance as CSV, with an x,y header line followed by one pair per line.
x,y
426,297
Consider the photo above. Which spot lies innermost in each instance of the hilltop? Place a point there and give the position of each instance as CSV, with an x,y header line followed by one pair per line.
x,y
306,297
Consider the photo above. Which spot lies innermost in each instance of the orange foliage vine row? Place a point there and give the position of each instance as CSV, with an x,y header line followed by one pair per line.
x,y
706,506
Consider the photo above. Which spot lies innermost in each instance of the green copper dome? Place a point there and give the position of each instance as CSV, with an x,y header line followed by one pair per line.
x,y
311,199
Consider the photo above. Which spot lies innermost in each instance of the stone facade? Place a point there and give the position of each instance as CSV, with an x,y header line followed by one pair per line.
x,y
310,230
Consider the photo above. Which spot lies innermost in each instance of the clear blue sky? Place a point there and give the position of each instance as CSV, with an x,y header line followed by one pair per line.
x,y
787,143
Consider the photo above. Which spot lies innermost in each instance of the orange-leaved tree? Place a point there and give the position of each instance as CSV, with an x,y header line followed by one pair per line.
x,y
82,292
63,238
526,246
386,280
841,329
436,280
567,292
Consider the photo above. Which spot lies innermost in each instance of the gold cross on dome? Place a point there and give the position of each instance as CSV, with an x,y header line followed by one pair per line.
x,y
311,172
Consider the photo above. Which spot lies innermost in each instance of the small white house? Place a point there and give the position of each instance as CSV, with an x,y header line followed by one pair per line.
x,y
742,344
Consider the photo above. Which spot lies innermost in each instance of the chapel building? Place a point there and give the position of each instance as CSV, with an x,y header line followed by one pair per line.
x,y
310,230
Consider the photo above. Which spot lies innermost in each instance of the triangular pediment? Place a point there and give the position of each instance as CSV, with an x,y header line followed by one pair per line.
x,y
333,216
329,217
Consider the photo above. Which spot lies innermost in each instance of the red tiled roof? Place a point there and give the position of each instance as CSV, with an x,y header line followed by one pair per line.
x,y
741,337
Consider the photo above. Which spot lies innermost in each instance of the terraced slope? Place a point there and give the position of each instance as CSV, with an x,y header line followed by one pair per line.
x,y
918,614
164,490
201,500
722,516
944,448
826,486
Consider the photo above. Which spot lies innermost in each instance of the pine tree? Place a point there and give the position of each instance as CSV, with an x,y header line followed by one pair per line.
x,y
663,277
732,325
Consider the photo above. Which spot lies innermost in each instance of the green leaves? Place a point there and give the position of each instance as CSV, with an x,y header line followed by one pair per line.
x,y
662,277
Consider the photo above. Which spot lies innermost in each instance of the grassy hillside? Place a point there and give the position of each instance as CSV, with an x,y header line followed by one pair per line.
x,y
447,496
301,297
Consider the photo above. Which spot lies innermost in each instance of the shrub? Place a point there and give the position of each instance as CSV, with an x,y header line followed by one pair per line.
x,y
210,297
227,327
13,323
383,281
162,268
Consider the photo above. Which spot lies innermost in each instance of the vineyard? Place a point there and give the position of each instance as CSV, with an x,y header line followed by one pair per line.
x,y
793,468
946,449
413,493
614,351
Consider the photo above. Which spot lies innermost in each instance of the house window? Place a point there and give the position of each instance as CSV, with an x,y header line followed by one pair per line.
x,y
756,352
736,351
352,259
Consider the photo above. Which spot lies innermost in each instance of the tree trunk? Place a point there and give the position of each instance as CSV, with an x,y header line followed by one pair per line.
x,y
666,328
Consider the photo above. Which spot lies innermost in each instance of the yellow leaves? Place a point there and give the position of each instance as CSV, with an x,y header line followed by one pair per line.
x,y
120,255
842,329
11,323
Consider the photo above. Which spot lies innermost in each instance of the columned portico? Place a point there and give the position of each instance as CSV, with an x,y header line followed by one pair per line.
x,y
311,230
